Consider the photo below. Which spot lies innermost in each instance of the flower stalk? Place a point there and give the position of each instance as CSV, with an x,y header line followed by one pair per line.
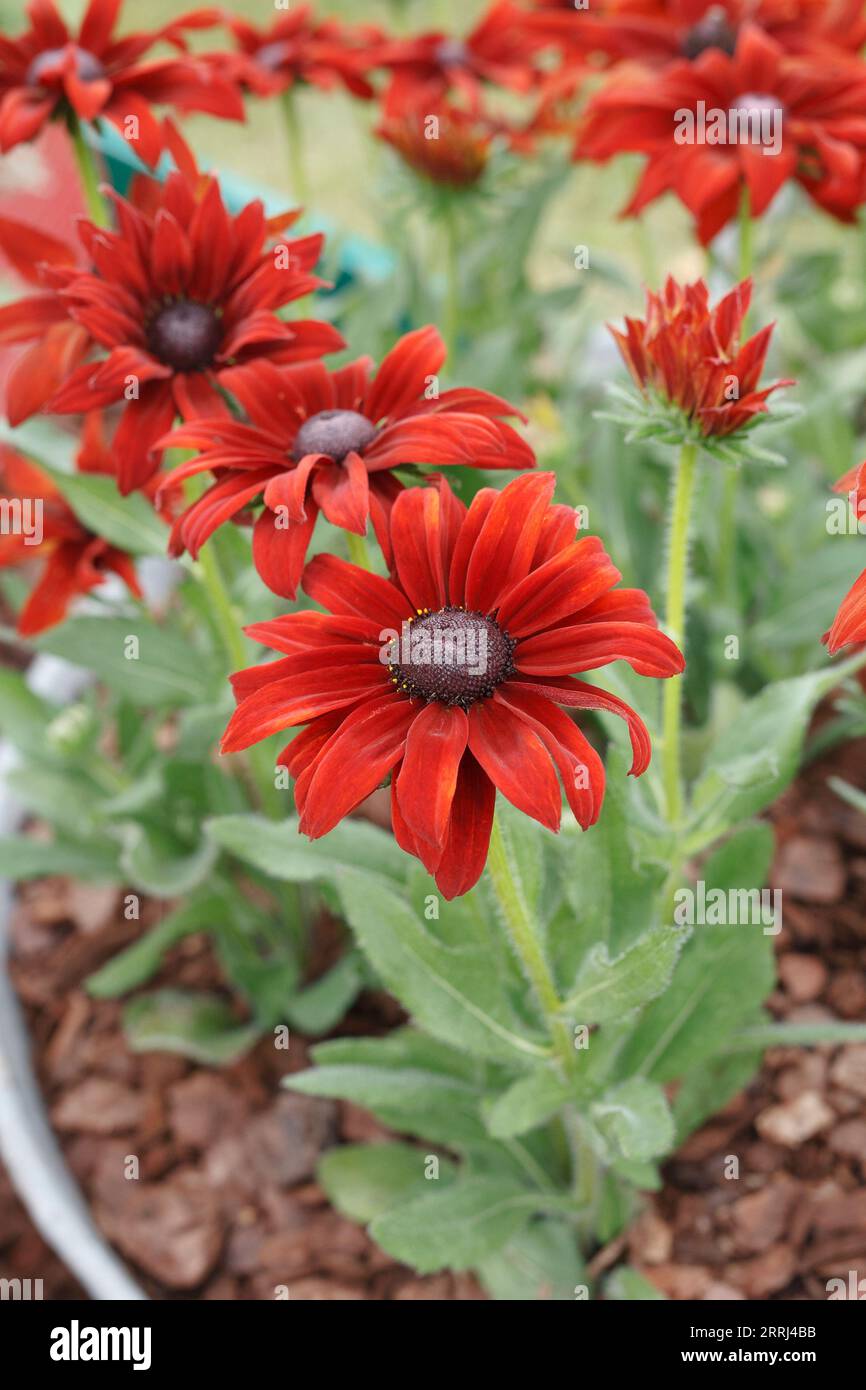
x,y
675,624
88,173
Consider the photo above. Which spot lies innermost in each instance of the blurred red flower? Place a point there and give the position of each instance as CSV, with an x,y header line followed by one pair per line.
x,y
76,559
819,111
691,356
491,610
849,624
49,70
181,298
656,32
296,47
326,441
499,50
454,151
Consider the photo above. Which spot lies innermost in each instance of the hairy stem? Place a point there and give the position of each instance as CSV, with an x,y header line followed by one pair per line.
x,y
88,173
675,623
294,136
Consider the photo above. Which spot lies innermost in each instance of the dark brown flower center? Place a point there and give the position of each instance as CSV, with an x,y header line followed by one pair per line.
x,y
334,432
452,656
87,66
713,31
185,335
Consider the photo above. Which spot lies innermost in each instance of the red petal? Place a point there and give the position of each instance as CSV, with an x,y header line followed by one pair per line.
x,y
465,853
362,752
503,553
405,373
515,760
428,778
279,551
344,588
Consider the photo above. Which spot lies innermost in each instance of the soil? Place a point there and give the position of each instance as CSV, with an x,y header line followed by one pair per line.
x,y
227,1206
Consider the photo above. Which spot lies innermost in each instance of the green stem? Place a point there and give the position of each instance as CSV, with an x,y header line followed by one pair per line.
x,y
747,227
451,307
228,625
675,623
89,175
508,888
294,135
727,530
359,551
226,620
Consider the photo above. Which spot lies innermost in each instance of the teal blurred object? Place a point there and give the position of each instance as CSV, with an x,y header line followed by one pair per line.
x,y
357,259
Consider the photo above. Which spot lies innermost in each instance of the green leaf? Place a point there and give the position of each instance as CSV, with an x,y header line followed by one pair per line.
x,y
130,523
707,1090
626,1283
139,962
320,1006
454,1228
608,989
365,1180
636,1119
22,858
723,975
452,991
282,852
527,1103
541,1263
158,864
415,1101
756,757
168,670
765,1035
24,716
609,876
199,1026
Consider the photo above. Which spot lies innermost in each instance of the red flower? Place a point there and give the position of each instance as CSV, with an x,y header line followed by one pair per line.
x,y
48,70
499,50
299,48
656,32
491,610
849,624
76,559
454,152
58,344
691,356
818,111
326,441
182,300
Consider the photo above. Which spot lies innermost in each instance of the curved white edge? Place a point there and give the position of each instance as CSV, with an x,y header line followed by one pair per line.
x,y
28,1147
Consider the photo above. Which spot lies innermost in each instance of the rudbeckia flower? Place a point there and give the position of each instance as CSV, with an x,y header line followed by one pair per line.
x,y
297,47
803,119
656,32
327,441
181,301
50,70
691,357
455,156
849,624
451,676
57,344
76,559
425,69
